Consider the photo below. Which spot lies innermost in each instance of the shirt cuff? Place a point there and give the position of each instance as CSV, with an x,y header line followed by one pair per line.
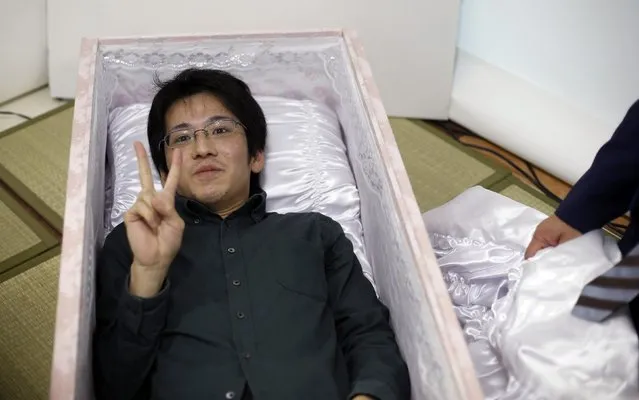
x,y
373,389
144,317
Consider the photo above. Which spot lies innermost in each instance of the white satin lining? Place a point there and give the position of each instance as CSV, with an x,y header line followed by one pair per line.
x,y
516,314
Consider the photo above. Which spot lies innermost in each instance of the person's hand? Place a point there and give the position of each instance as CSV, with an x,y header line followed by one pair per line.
x,y
154,228
362,397
550,232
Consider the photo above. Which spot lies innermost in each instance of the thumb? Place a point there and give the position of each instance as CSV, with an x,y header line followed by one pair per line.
x,y
534,246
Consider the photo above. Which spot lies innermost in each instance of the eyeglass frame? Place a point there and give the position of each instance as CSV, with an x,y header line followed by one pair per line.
x,y
164,141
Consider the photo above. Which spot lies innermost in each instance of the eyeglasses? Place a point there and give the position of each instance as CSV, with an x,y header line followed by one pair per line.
x,y
219,128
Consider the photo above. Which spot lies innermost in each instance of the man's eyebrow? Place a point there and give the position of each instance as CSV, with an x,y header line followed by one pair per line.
x,y
185,125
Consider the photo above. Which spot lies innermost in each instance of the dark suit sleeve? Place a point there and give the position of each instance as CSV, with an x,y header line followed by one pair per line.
x,y
367,340
127,328
606,190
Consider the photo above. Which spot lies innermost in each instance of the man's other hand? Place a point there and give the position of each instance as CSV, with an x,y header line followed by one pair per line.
x,y
550,232
153,227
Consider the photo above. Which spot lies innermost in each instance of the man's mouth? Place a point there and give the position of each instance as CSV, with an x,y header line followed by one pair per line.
x,y
207,170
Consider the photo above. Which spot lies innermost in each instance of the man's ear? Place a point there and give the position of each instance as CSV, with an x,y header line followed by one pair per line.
x,y
257,162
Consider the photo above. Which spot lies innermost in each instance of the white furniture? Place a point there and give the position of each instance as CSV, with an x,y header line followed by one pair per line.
x,y
548,80
410,43
23,47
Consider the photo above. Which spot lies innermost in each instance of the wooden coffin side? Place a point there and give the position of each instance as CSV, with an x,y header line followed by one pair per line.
x,y
457,362
71,366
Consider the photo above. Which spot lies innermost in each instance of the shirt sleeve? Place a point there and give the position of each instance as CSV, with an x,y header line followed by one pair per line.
x,y
127,328
373,358
607,189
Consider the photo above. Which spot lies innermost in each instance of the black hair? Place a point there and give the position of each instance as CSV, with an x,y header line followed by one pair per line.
x,y
232,92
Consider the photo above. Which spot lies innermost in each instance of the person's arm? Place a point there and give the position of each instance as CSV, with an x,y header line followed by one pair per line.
x,y
373,358
127,328
606,190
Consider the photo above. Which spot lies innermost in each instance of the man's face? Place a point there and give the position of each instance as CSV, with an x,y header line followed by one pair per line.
x,y
216,169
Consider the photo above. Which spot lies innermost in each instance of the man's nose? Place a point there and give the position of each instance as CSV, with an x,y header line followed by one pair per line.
x,y
203,146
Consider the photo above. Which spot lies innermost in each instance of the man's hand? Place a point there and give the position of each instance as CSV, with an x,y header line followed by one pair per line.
x,y
154,228
362,397
550,232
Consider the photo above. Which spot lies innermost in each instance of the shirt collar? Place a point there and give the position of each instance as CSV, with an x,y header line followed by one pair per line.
x,y
254,207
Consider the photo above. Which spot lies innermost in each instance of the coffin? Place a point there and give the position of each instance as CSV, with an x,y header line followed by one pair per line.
x,y
327,68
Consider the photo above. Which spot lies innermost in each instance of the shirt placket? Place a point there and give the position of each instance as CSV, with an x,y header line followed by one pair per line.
x,y
238,293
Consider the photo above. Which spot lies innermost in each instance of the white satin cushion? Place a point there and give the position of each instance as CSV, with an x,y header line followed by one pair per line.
x,y
516,314
307,167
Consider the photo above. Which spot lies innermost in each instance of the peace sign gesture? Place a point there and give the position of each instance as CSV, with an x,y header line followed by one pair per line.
x,y
154,228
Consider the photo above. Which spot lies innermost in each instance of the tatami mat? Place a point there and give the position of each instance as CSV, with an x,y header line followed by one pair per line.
x,y
15,233
441,168
524,196
438,168
34,160
27,314
22,235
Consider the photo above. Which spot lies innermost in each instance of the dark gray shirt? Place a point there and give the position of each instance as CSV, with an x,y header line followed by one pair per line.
x,y
273,306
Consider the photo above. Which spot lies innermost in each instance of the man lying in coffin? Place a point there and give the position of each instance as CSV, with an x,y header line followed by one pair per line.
x,y
201,294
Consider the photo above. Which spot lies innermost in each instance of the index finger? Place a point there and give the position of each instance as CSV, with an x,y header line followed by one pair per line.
x,y
144,169
172,180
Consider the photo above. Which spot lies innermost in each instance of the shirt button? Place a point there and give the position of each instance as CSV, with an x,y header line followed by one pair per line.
x,y
236,283
230,395
240,315
196,220
231,250
247,356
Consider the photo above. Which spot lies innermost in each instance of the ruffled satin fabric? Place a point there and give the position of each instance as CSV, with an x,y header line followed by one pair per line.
x,y
516,313
307,167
